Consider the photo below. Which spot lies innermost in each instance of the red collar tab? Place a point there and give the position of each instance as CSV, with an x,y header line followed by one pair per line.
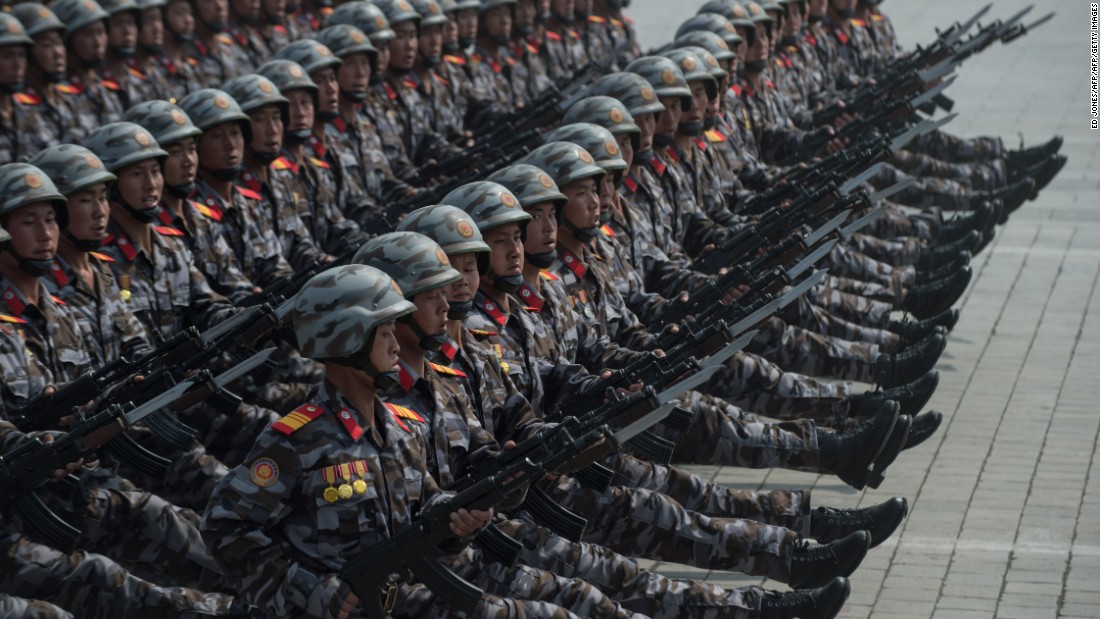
x,y
573,263
59,274
14,302
531,297
490,308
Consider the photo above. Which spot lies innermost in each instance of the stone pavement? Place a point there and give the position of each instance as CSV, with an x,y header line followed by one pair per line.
x,y
1005,499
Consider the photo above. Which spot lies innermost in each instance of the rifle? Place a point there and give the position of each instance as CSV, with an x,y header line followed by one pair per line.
x,y
30,465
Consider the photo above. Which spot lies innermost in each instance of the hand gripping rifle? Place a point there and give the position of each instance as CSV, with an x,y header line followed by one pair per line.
x,y
32,464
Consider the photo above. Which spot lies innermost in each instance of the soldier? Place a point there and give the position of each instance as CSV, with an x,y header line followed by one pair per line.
x,y
447,114
23,126
244,25
287,486
100,99
180,62
220,56
124,18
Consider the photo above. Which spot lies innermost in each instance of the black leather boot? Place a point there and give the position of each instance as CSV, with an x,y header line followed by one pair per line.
x,y
927,300
910,398
932,258
828,523
823,603
850,455
910,364
814,565
924,426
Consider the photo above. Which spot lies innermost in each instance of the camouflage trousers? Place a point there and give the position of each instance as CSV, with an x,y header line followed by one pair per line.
x,y
30,609
854,307
755,384
797,350
981,176
228,427
646,524
723,435
537,592
947,147
808,315
619,577
924,192
897,251
858,288
789,509
898,221
846,262
95,585
143,532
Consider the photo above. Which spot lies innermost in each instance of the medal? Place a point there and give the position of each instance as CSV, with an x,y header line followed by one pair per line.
x,y
344,491
330,494
359,486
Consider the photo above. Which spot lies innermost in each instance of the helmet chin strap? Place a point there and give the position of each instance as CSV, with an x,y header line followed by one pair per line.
x,y
31,266
142,215
459,310
430,342
542,260
505,283
84,245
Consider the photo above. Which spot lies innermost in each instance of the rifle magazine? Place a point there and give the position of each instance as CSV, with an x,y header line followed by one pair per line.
x,y
550,514
43,526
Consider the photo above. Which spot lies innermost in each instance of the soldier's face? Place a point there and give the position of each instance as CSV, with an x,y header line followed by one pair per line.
x,y
267,129
607,192
383,354
626,147
466,21
583,208
463,290
525,13
431,42
247,8
793,24
222,147
301,109
506,257
843,7
450,30
354,74
647,123
498,23
179,18
746,36
818,8
563,8
13,64
34,231
122,30
88,212
90,42
542,230
670,118
383,57
699,101
760,46
182,163
49,52
403,48
151,33
329,95
275,9
140,185
212,11
431,311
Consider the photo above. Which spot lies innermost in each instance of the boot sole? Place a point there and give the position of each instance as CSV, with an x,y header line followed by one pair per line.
x,y
890,451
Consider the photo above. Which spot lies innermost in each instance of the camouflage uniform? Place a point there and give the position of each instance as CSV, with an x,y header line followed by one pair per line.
x,y
410,112
220,58
212,255
30,609
313,183
26,132
362,157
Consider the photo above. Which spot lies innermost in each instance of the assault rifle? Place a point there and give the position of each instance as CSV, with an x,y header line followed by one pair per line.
x,y
32,464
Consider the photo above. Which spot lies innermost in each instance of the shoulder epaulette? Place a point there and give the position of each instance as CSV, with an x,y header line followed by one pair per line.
x,y
482,332
596,19
878,18
736,88
607,231
859,23
618,23
459,60
320,163
280,29
111,85
769,84
27,99
701,143
548,276
409,83
404,412
282,163
298,418
442,369
553,36
67,89
194,62
248,193
574,33
57,299
102,257
714,136
224,38
168,231
212,213
12,319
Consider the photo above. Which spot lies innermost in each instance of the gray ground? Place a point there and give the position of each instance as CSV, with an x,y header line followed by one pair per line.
x,y
1005,499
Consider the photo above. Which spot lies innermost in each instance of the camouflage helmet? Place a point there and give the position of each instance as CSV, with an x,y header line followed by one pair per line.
x,y
254,91
12,31
663,75
417,263
345,40
607,112
430,11
166,121
337,311
114,7
487,5
37,18
123,144
78,13
631,89
364,16
757,13
772,5
145,5
709,41
397,11
311,55
287,75
731,10
489,204
599,142
450,6
710,63
22,184
449,226
210,107
713,22
692,66
565,162
72,168
529,184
